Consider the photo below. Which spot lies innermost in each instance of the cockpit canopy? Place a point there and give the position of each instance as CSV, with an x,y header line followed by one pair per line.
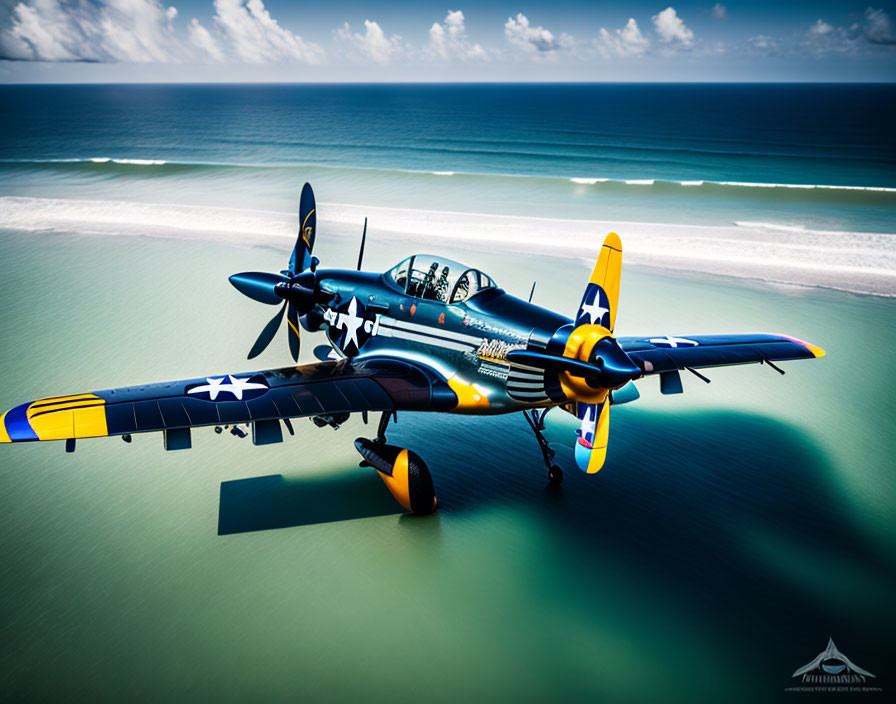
x,y
438,279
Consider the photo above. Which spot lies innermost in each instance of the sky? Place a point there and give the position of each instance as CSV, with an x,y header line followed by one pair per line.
x,y
84,41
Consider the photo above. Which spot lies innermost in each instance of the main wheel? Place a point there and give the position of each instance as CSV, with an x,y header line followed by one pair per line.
x,y
555,474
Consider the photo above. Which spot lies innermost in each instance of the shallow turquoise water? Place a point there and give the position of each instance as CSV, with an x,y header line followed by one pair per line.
x,y
731,532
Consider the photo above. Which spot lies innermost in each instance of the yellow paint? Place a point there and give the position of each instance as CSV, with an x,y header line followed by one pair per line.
x,y
814,349
306,230
46,403
4,436
63,417
601,440
607,272
91,422
398,484
579,345
294,328
468,396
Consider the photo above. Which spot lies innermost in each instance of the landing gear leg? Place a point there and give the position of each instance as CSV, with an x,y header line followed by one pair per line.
x,y
535,418
384,423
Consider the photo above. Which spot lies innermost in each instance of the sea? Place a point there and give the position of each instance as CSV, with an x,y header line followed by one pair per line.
x,y
734,529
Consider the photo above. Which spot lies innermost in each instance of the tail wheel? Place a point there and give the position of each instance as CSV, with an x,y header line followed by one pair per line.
x,y
555,474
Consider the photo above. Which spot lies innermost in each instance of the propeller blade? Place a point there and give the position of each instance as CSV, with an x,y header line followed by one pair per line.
x,y
601,440
301,253
292,317
363,241
594,436
259,286
267,334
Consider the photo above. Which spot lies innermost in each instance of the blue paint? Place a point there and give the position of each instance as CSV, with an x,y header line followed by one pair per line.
x,y
17,424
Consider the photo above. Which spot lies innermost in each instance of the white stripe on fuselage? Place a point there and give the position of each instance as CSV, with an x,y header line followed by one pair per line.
x,y
430,330
386,331
525,375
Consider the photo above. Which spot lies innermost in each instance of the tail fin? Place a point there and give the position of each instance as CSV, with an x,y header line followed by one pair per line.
x,y
601,297
301,255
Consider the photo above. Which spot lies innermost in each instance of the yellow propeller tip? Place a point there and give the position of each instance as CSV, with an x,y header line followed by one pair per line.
x,y
613,241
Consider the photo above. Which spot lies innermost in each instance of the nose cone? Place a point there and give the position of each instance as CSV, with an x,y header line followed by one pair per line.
x,y
259,286
617,368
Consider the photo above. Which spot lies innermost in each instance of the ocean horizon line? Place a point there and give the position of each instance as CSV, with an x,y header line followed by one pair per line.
x,y
451,83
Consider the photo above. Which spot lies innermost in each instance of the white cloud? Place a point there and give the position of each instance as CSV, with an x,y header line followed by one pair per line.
x,y
719,11
204,41
538,39
108,31
879,30
373,44
257,38
627,41
449,40
823,38
672,30
764,44
820,28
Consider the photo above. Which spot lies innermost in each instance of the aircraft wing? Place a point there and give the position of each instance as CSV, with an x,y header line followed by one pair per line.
x,y
261,398
656,355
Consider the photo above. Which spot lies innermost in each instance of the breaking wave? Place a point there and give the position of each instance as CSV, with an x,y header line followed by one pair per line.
x,y
137,167
850,261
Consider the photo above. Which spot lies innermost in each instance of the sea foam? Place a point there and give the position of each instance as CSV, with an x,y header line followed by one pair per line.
x,y
851,261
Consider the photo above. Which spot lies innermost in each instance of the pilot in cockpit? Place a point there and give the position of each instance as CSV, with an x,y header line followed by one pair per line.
x,y
427,289
441,288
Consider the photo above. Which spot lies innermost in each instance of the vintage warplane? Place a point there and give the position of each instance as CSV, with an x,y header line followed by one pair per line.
x,y
430,334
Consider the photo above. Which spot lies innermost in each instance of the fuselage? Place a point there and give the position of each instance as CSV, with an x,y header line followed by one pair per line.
x,y
465,341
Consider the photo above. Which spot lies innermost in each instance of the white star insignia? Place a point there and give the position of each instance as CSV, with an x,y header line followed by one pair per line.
x,y
351,321
594,311
236,386
673,342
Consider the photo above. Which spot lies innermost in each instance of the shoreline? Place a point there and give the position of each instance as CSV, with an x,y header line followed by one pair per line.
x,y
855,262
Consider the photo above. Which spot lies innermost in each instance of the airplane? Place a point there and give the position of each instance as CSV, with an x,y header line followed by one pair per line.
x,y
428,335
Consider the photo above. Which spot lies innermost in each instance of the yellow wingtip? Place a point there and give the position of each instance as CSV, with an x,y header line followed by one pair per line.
x,y
4,436
815,349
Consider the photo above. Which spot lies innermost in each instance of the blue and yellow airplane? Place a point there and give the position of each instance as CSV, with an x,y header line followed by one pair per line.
x,y
430,334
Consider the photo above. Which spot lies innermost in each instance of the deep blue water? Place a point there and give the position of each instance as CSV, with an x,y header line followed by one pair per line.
x,y
798,134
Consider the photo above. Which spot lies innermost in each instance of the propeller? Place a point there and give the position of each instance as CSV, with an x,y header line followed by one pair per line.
x,y
592,365
297,294
295,288
595,375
